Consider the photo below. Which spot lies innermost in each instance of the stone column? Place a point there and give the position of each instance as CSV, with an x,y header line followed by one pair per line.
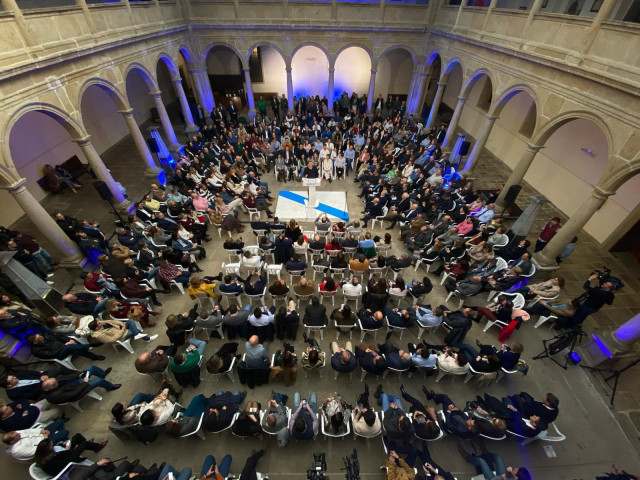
x,y
372,89
481,141
577,221
151,169
102,173
87,17
332,72
202,87
416,104
289,87
594,28
249,89
462,4
453,124
627,334
488,14
535,8
436,104
173,144
519,172
184,105
25,33
71,255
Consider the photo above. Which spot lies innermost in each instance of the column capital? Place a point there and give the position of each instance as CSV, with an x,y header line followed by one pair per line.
x,y
491,118
332,69
82,142
16,186
462,99
534,148
442,84
287,68
601,194
246,70
374,71
127,113
156,94
198,70
177,80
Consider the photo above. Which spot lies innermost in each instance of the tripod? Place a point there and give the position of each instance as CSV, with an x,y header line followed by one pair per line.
x,y
614,374
561,342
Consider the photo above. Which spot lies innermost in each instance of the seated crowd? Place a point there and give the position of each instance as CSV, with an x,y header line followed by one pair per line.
x,y
404,178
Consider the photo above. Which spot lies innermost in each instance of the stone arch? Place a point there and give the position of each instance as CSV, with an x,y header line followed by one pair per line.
x,y
473,78
549,128
75,130
431,57
186,53
496,108
263,43
359,45
399,46
618,173
209,46
146,75
446,71
169,62
107,87
310,44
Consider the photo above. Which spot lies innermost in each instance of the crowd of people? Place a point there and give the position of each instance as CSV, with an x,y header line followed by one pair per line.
x,y
402,177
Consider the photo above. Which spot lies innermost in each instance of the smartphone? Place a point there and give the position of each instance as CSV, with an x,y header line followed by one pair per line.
x,y
170,475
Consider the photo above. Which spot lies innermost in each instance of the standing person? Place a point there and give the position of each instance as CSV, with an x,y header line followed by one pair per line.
x,y
262,107
547,233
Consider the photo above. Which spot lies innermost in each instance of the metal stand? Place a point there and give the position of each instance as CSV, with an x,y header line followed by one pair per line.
x,y
562,341
615,374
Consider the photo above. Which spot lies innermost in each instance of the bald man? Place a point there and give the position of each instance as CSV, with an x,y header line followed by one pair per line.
x,y
256,354
155,361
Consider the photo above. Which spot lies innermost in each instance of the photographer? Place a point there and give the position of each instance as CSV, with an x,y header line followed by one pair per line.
x,y
598,293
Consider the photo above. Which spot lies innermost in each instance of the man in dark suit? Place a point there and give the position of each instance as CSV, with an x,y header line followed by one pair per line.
x,y
155,361
220,410
315,315
73,385
233,112
516,422
257,224
457,422
547,409
375,210
371,320
343,360
370,361
24,385
20,415
311,171
295,264
395,358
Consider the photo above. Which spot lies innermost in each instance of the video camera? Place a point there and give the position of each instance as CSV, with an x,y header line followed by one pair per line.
x,y
604,276
318,467
352,466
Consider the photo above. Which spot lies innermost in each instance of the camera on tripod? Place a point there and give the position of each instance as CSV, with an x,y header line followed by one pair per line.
x,y
318,467
352,466
604,276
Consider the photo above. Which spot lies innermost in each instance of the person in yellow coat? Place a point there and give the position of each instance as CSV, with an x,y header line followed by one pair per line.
x,y
198,286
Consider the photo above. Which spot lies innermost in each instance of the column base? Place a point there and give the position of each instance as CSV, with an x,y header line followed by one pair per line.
x,y
124,207
501,204
74,261
175,149
152,172
543,263
191,129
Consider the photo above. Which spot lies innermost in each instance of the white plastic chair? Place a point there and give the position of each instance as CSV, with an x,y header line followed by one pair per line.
x,y
274,269
126,344
380,218
200,297
263,413
76,405
502,372
364,331
391,328
544,319
228,372
471,373
356,434
198,431
234,296
328,435
518,302
344,329
355,298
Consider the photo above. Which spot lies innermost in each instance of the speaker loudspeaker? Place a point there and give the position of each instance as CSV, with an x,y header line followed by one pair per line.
x,y
464,148
512,194
102,190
